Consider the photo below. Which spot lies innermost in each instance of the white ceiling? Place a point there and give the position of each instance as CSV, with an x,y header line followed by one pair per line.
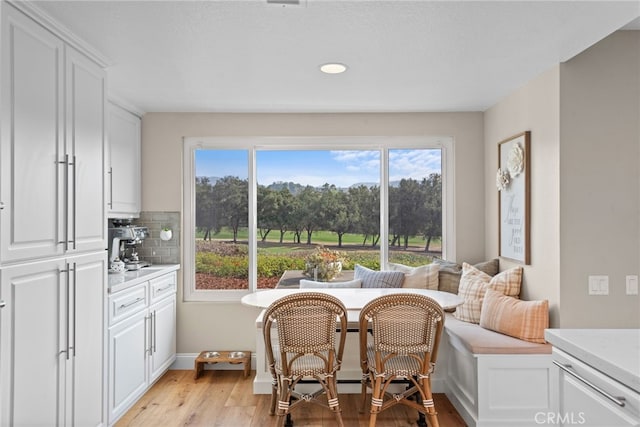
x,y
403,56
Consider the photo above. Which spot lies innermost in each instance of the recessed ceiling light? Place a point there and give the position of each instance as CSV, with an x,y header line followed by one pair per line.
x,y
333,68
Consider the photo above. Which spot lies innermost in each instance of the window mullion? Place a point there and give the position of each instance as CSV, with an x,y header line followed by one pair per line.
x,y
384,207
253,221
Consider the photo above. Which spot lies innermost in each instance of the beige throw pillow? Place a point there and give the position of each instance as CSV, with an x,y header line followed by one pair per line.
x,y
525,320
450,273
422,277
474,283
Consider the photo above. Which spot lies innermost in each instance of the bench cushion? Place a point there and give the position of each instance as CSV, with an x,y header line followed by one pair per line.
x,y
479,340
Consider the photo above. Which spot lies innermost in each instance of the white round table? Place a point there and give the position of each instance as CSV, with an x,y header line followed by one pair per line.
x,y
353,299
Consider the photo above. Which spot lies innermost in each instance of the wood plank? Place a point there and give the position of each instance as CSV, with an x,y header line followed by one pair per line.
x,y
226,399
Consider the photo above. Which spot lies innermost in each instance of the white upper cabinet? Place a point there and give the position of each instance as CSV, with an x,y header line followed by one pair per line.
x,y
32,140
123,199
85,143
51,145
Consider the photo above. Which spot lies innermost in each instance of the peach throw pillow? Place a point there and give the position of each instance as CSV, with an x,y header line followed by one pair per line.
x,y
525,320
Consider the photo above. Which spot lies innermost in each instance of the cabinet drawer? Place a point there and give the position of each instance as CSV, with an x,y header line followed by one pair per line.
x,y
124,304
597,399
163,286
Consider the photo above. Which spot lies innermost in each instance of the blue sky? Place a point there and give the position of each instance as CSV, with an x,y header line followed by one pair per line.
x,y
317,167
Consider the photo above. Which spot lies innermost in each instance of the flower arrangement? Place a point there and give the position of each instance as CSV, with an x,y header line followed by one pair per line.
x,y
323,264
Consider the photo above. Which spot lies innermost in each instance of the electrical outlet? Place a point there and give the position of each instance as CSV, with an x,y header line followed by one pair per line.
x,y
598,285
632,285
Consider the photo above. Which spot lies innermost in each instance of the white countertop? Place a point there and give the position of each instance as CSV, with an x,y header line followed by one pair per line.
x,y
120,281
615,352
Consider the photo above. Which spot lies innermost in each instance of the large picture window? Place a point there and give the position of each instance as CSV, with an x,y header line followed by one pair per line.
x,y
255,208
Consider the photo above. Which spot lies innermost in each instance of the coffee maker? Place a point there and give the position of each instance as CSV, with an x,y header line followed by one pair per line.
x,y
124,239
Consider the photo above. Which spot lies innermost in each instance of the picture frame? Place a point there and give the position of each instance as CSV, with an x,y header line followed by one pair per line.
x,y
513,181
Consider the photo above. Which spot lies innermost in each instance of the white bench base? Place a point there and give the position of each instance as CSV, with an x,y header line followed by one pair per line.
x,y
495,390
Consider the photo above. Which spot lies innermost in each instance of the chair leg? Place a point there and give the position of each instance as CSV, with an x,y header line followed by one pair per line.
x,y
427,397
363,393
376,400
274,397
332,399
284,396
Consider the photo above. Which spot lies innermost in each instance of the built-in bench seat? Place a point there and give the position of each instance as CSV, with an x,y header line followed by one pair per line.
x,y
493,379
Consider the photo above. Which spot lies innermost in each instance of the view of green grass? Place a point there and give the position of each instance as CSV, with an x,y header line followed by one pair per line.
x,y
327,238
275,257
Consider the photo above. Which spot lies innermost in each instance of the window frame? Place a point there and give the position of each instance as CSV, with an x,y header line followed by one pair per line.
x,y
254,144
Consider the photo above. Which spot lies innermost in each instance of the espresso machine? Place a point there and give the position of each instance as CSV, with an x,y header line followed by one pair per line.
x,y
124,239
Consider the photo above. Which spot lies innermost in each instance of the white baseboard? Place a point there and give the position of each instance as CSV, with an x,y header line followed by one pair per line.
x,y
186,361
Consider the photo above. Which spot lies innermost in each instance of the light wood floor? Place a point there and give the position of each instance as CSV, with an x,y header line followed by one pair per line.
x,y
226,399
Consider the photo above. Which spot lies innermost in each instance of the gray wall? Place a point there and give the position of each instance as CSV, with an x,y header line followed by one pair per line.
x,y
600,181
585,157
533,107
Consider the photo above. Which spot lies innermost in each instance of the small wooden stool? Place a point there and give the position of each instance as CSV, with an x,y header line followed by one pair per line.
x,y
234,357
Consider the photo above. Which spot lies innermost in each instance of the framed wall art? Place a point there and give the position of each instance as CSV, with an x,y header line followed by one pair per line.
x,y
514,211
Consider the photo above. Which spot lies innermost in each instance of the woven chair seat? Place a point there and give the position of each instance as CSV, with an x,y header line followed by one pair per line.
x,y
307,366
400,366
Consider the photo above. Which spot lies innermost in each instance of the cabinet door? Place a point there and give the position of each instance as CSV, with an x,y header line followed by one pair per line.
x,y
31,140
163,336
124,163
128,349
85,87
33,343
86,399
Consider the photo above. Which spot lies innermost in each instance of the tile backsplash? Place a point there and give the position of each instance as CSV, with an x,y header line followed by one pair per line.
x,y
154,249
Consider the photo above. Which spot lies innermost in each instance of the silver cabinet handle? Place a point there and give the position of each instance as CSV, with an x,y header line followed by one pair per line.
x,y
164,289
137,300
73,323
110,188
67,270
618,400
148,333
1,205
65,162
73,200
2,304
153,319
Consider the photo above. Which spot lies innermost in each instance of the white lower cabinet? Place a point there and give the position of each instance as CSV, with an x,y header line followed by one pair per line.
x,y
52,342
142,340
163,331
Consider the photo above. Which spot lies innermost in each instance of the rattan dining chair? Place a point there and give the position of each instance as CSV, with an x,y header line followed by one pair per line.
x,y
399,338
305,349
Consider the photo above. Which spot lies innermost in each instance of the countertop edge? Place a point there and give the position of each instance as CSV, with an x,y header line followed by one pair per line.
x,y
132,278
573,342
